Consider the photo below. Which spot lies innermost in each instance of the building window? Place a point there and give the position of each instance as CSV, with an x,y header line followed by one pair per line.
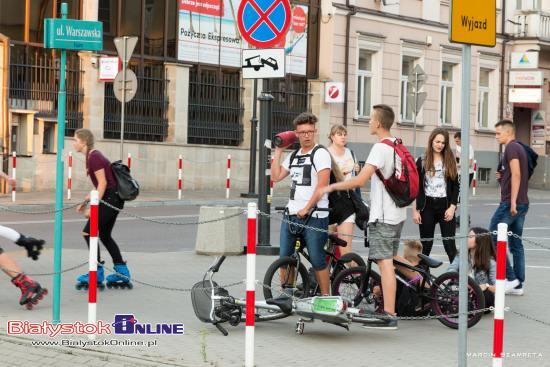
x,y
484,175
364,83
483,99
130,24
154,27
12,19
446,107
407,87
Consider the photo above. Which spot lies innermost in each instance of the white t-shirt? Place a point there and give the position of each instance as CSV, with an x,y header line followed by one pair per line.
x,y
304,179
346,163
458,152
382,206
435,185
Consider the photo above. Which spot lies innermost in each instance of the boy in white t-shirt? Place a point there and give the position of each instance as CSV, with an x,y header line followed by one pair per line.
x,y
309,169
386,219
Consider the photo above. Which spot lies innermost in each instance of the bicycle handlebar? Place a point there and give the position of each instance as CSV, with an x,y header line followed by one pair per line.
x,y
214,268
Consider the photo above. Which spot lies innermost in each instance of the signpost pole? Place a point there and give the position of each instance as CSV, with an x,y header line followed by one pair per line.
x,y
123,102
464,210
253,144
58,232
264,175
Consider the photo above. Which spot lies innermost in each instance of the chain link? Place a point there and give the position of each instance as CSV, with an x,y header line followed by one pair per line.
x,y
173,289
45,274
526,240
304,226
49,211
221,219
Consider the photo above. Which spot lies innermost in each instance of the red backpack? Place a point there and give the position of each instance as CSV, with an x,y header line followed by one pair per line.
x,y
403,187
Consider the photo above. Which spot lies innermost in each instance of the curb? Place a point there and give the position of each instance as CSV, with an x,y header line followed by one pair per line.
x,y
103,355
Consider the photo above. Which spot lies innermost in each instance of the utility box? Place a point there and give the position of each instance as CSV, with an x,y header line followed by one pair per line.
x,y
223,237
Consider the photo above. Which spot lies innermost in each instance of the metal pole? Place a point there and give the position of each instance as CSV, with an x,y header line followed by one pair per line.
x,y
464,209
253,145
123,102
264,174
415,111
58,232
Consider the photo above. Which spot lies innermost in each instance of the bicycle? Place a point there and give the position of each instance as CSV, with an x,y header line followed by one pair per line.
x,y
438,296
282,276
213,304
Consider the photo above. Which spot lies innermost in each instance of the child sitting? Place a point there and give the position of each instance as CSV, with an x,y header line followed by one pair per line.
x,y
411,250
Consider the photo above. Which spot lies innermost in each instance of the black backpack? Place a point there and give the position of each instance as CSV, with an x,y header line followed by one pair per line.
x,y
337,198
532,158
127,186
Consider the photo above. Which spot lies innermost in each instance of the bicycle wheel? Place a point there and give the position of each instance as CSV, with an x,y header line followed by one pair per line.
x,y
445,300
348,285
281,278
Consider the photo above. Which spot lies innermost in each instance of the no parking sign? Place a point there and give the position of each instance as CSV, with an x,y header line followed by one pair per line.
x,y
334,92
263,23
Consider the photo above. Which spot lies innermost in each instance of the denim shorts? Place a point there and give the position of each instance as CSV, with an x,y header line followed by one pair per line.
x,y
315,240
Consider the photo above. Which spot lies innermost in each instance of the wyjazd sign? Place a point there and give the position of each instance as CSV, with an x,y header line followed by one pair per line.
x,y
69,34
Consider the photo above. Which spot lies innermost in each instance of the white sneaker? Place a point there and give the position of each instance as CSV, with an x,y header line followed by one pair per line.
x,y
515,292
511,284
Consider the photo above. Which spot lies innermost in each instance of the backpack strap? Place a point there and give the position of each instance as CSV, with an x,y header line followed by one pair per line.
x,y
392,144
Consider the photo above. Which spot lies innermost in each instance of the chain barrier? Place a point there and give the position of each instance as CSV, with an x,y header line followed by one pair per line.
x,y
283,219
221,219
48,211
45,274
526,240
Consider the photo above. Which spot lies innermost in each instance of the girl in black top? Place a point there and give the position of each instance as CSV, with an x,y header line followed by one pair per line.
x,y
438,192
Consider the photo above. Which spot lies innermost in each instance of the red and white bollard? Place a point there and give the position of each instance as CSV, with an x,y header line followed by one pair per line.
x,y
228,180
13,174
474,181
92,260
129,160
498,337
180,170
250,285
70,176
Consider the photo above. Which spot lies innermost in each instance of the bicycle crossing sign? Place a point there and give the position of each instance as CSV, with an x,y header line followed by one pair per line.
x,y
263,23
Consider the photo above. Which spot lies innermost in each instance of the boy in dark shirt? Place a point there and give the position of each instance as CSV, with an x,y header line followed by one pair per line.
x,y
513,178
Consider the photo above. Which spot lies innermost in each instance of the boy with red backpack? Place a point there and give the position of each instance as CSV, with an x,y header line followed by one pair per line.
x,y
394,186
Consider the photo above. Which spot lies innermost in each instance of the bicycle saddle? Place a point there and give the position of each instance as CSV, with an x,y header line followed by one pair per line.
x,y
431,262
284,303
337,241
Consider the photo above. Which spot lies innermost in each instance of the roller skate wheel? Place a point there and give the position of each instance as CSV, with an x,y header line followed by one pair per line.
x,y
45,292
28,306
130,286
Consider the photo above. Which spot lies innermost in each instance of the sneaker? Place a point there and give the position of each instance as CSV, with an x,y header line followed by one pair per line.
x,y
385,322
511,284
518,291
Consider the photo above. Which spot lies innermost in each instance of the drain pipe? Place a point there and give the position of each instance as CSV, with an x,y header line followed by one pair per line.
x,y
502,68
4,110
351,12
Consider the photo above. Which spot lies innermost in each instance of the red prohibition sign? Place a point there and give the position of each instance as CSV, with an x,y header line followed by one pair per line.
x,y
263,28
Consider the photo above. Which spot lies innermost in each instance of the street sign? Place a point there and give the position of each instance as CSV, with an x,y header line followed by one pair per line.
x,y
263,23
264,63
108,68
473,22
334,92
70,34
418,77
131,86
420,99
129,45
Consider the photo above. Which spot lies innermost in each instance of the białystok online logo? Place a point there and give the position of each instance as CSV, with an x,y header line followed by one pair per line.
x,y
124,324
